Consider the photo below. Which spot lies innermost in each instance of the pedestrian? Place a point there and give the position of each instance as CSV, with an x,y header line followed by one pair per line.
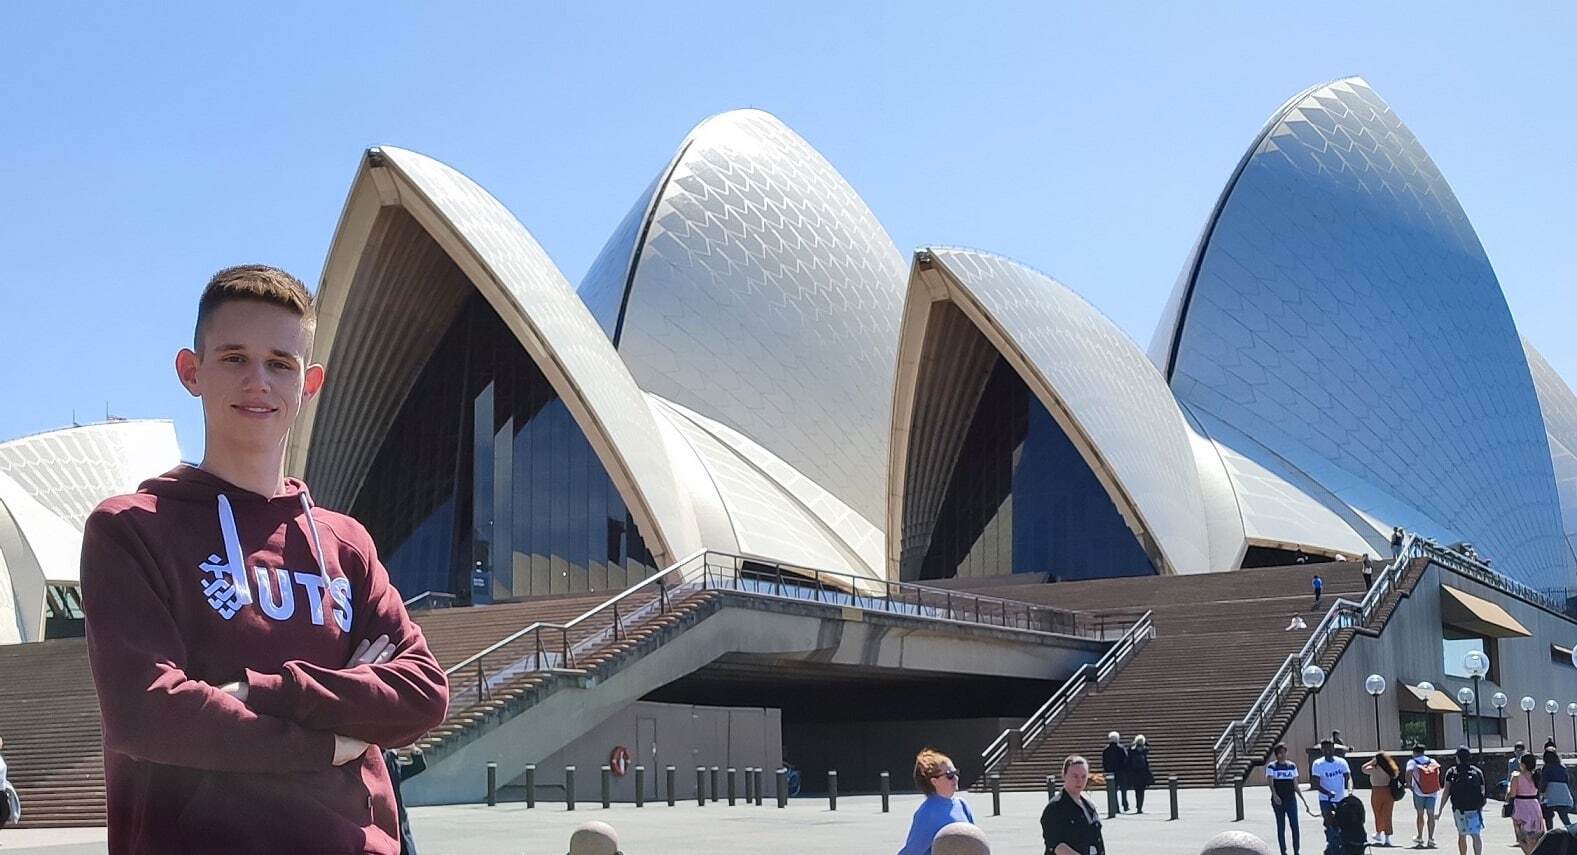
x,y
1385,784
1347,820
1138,774
1283,776
937,778
1555,789
1333,778
1341,745
10,803
1527,818
398,773
1467,792
1396,541
1513,763
1368,572
1070,824
1423,778
247,647
1319,589
1563,842
1114,764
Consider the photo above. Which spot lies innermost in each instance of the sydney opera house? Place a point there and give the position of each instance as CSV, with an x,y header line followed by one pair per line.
x,y
751,383
751,366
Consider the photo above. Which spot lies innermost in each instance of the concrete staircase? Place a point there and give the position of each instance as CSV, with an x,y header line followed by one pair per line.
x,y
1219,639
49,719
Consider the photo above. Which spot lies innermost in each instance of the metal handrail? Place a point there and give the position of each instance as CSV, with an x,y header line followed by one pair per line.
x,y
436,597
552,647
1022,737
1241,734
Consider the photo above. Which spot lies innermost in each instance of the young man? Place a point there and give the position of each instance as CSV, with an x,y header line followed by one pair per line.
x,y
1423,778
1333,778
1284,796
1466,791
247,647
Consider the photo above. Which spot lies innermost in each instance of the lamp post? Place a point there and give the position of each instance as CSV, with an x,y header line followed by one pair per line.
x,y
1313,678
1527,703
1465,696
1375,686
1571,710
1551,707
1476,665
1498,700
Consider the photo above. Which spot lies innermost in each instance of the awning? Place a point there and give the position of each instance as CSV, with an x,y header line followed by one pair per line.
x,y
1419,699
1461,609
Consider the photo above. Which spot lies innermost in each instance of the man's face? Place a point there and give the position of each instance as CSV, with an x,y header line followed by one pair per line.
x,y
252,375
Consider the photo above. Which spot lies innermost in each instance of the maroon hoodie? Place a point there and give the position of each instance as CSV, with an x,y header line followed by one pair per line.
x,y
193,582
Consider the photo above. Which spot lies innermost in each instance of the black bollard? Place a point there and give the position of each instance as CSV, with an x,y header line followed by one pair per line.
x,y
531,785
700,786
783,788
1111,796
640,786
750,784
607,787
832,789
1171,785
996,794
761,789
492,784
731,785
1051,787
569,787
1237,799
887,790
673,777
715,770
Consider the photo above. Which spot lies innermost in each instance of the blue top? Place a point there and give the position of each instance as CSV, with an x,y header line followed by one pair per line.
x,y
933,814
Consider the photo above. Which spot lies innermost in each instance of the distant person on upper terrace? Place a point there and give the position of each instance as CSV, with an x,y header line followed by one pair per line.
x,y
248,649
1319,589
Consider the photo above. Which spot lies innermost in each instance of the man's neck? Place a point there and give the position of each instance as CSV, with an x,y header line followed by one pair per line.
x,y
260,473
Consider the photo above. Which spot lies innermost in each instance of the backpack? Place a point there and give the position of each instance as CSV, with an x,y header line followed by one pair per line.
x,y
1469,780
1429,779
1398,787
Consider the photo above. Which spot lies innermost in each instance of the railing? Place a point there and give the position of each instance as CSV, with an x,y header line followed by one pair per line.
x,y
544,646
430,600
1232,747
1015,741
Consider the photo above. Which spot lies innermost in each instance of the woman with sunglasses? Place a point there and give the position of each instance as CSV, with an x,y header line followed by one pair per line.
x,y
1070,824
937,777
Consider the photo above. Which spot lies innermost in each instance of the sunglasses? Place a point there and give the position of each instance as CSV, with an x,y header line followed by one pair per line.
x,y
950,774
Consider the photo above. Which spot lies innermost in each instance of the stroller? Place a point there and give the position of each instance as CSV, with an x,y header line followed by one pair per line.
x,y
1347,819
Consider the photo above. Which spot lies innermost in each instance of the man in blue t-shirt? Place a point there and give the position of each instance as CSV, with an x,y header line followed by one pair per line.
x,y
1283,777
1333,778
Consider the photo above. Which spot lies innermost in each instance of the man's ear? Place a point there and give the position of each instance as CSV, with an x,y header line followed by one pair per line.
x,y
186,364
312,383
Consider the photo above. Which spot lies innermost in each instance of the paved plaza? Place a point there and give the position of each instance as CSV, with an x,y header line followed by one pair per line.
x,y
807,827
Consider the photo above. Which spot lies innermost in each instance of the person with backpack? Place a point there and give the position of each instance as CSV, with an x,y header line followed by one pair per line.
x,y
1423,776
1467,793
1385,787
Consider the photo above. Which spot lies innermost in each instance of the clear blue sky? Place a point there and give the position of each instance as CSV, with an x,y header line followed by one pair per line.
x,y
143,147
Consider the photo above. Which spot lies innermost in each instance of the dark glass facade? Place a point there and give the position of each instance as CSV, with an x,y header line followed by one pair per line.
x,y
486,488
1022,499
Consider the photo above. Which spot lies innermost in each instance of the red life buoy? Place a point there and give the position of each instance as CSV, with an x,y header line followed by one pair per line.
x,y
619,761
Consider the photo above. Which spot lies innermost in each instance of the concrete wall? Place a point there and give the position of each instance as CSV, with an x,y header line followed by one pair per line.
x,y
1410,651
660,735
861,751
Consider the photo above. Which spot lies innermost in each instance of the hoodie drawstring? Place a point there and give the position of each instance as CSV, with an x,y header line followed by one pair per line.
x,y
317,542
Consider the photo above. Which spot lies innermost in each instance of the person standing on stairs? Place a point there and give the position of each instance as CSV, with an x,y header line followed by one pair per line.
x,y
1114,763
247,646
10,804
1319,589
1368,572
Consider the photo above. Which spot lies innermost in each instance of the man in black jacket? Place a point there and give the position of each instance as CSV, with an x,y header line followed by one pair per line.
x,y
1114,762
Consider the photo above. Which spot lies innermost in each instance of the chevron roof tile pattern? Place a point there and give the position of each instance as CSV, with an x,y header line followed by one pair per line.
x,y
765,296
1559,406
70,471
1344,315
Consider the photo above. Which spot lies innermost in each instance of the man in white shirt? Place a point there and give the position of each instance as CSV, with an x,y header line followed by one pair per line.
x,y
1333,778
1423,778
